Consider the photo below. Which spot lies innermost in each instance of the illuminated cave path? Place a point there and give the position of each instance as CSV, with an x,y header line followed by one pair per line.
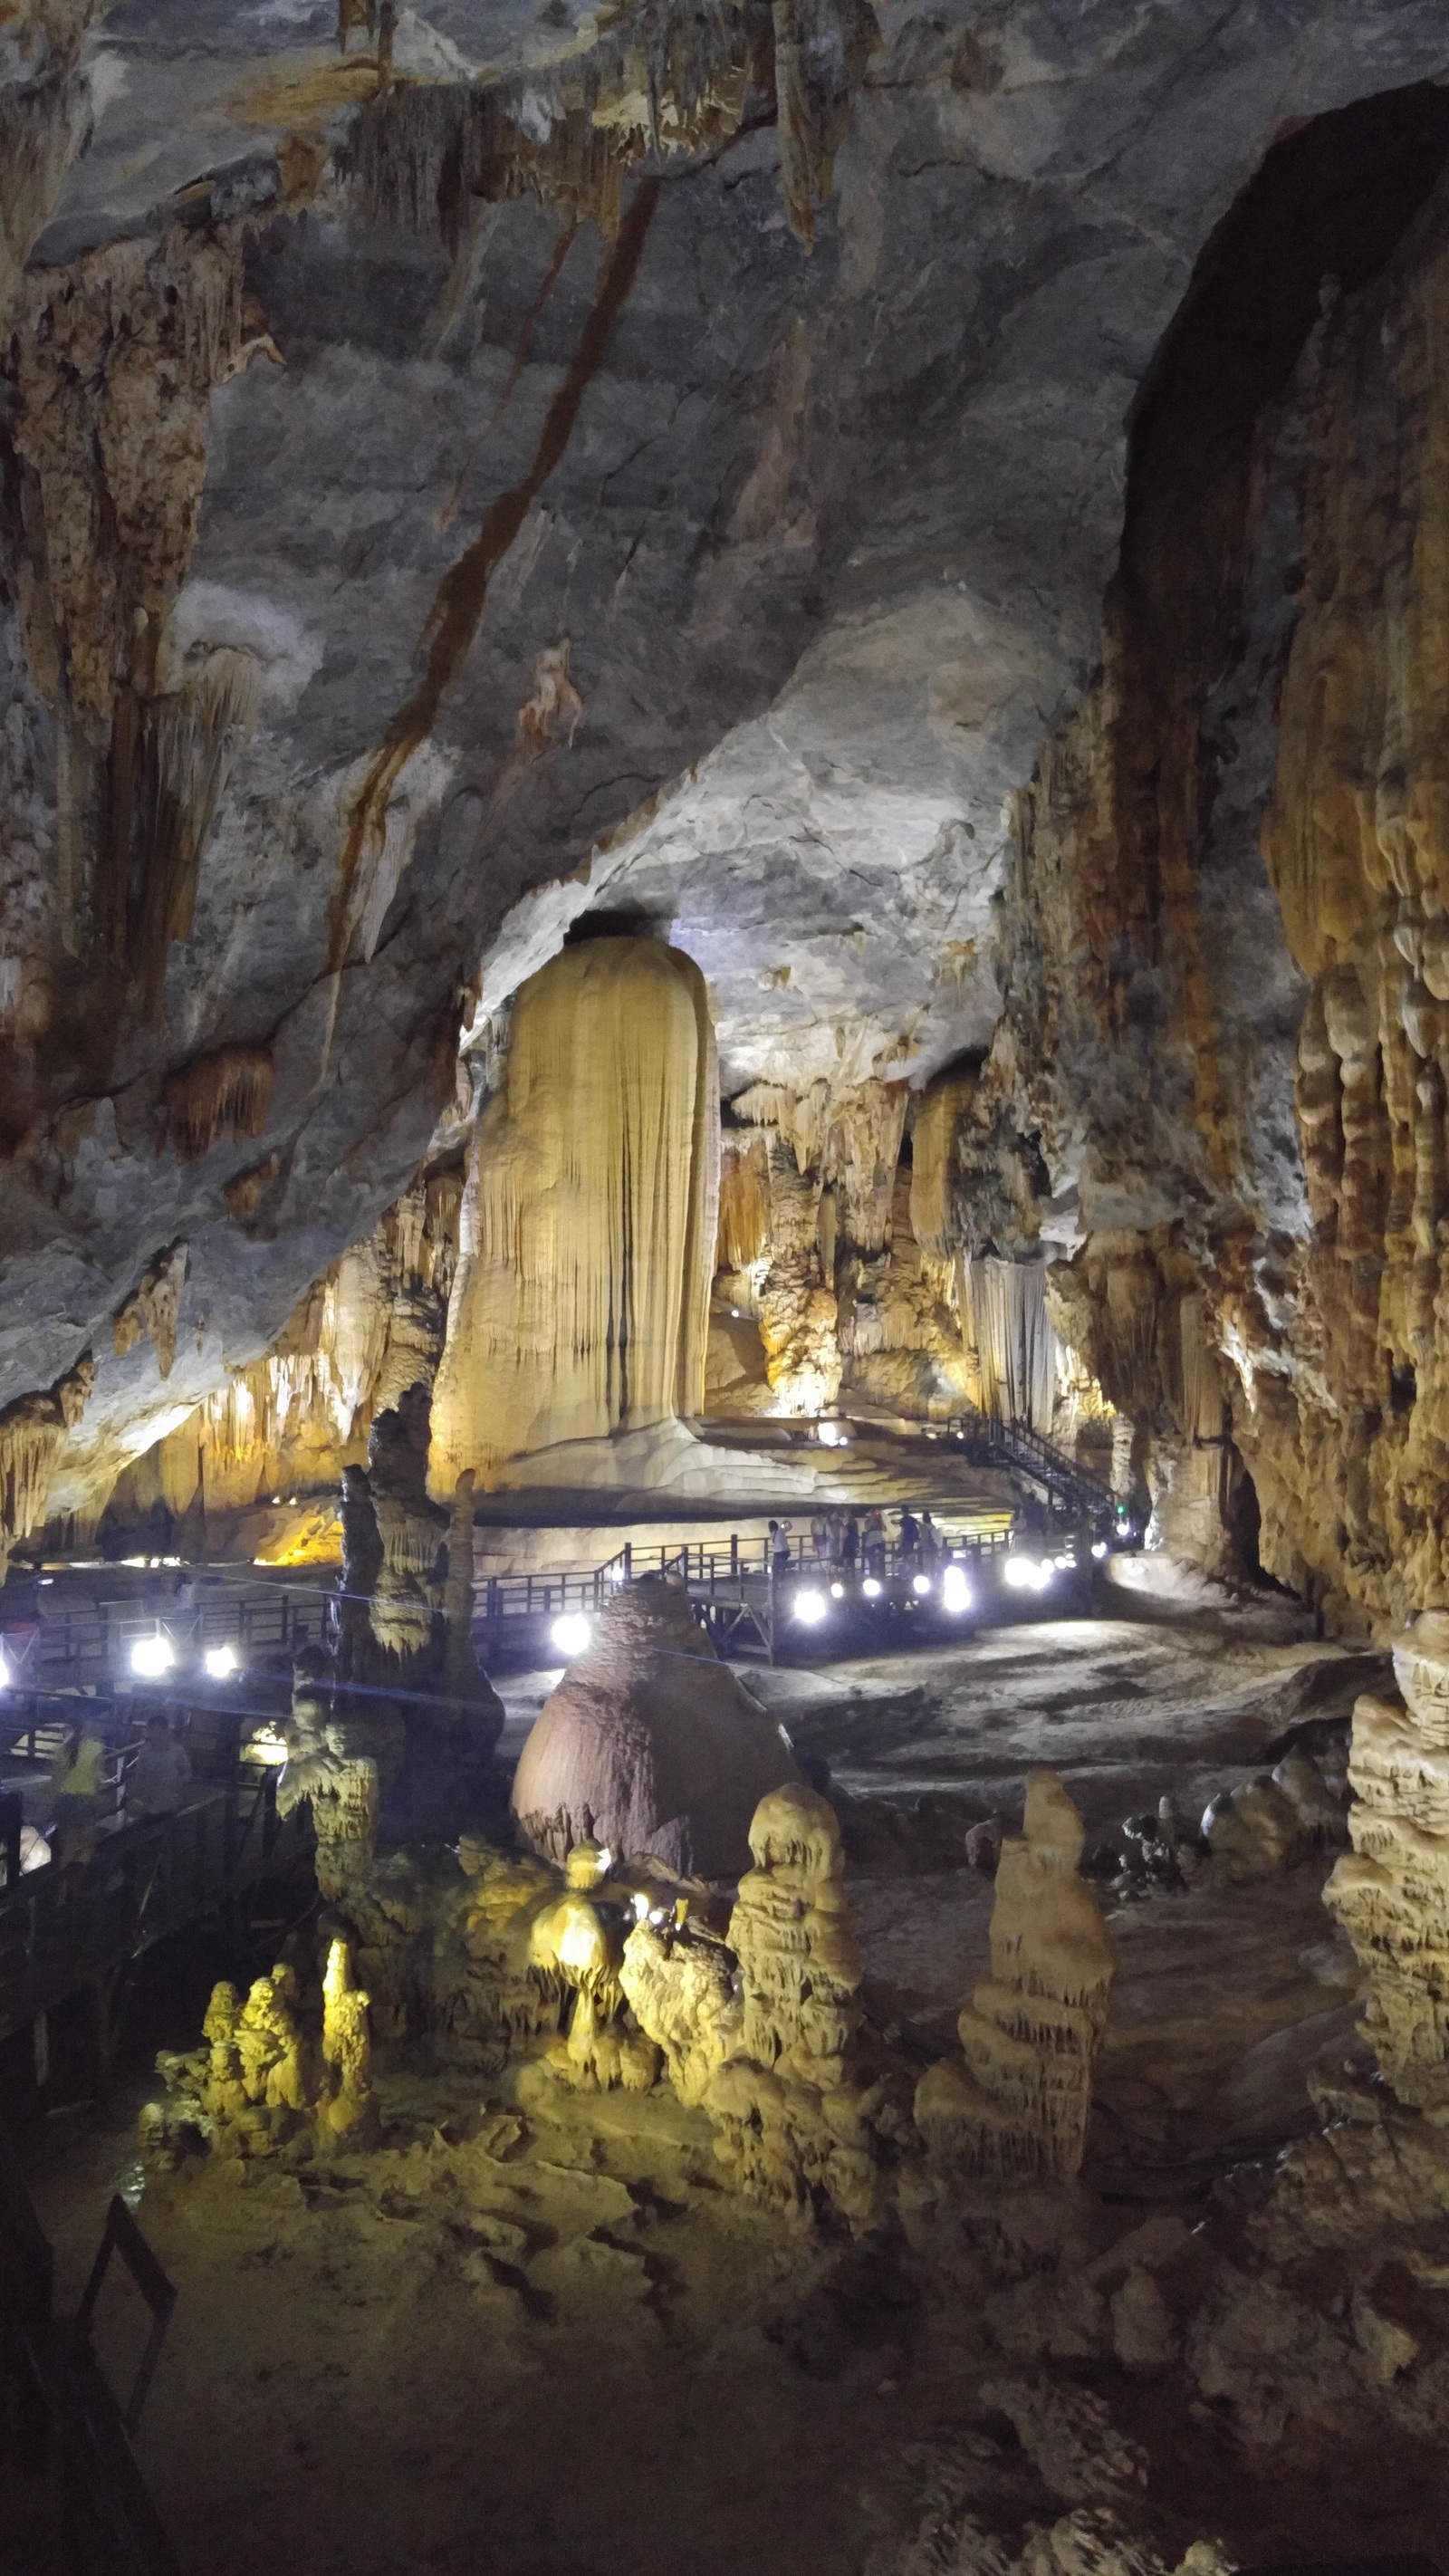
x,y
458,601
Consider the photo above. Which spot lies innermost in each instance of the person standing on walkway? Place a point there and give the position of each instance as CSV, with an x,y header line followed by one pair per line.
x,y
910,1540
875,1547
820,1537
930,1543
779,1549
77,1779
159,1776
850,1543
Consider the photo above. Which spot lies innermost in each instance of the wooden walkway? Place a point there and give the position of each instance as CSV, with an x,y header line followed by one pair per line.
x,y
85,1931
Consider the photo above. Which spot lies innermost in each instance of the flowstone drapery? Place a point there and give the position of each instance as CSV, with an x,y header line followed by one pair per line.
x,y
1017,2103
580,1306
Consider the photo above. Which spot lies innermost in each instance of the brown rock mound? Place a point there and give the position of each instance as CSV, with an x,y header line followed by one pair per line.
x,y
649,1744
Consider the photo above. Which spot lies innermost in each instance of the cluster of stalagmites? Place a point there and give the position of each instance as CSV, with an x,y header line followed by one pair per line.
x,y
268,2080
1017,2101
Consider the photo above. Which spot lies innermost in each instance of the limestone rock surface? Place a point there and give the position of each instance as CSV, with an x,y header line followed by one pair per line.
x,y
649,1745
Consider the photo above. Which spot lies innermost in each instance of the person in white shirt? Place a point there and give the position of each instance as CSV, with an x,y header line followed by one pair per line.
x,y
157,1778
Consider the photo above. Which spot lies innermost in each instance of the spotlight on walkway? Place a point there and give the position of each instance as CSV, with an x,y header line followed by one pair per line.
x,y
955,1590
219,1661
810,1608
1025,1575
921,1583
1099,1549
829,1435
871,1588
837,1592
152,1656
571,1633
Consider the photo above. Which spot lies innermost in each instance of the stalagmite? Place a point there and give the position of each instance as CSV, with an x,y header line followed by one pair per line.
x,y
347,2108
649,1745
580,1306
1391,1892
804,2123
1019,2104
336,1764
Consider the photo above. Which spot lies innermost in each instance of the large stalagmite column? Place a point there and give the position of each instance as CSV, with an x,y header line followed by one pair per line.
x,y
581,1304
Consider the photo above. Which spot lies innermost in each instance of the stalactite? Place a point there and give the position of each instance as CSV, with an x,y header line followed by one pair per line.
x,y
821,50
1004,1317
153,1307
229,1090
657,79
744,1202
939,1112
171,756
32,1431
581,1302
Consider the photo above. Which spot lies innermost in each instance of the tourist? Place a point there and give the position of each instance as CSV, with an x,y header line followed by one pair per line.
x,y
910,1539
820,1537
158,1777
875,1546
76,1781
779,1545
850,1543
930,1543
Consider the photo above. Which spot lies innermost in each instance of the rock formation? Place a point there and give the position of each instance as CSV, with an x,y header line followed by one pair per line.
x,y
580,1304
649,1745
1019,2104
1391,1892
264,2083
807,2121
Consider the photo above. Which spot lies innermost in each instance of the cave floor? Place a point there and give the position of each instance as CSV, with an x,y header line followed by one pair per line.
x,y
536,2335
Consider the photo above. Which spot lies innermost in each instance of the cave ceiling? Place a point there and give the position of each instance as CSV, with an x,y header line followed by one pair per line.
x,y
805,561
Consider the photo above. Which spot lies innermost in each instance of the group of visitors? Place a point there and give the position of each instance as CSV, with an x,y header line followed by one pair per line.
x,y
154,1784
841,1541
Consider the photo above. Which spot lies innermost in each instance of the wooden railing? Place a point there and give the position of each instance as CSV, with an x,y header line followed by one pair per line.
x,y
66,2416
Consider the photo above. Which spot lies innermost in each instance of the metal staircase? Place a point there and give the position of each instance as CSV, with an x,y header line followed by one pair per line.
x,y
1069,1489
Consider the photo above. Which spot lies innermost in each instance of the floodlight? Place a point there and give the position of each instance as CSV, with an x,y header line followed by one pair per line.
x,y
871,1588
921,1583
152,1656
571,1633
1099,1548
219,1661
1025,1575
955,1590
810,1608
837,1592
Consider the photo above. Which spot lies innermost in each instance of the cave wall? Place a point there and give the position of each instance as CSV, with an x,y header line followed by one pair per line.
x,y
1222,1045
442,494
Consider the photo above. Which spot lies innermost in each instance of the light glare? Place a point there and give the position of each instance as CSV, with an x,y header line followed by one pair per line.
x,y
810,1608
955,1590
219,1661
571,1633
152,1656
921,1583
871,1588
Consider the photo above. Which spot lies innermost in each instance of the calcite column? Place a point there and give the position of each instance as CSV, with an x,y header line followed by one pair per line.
x,y
581,1303
1391,1892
